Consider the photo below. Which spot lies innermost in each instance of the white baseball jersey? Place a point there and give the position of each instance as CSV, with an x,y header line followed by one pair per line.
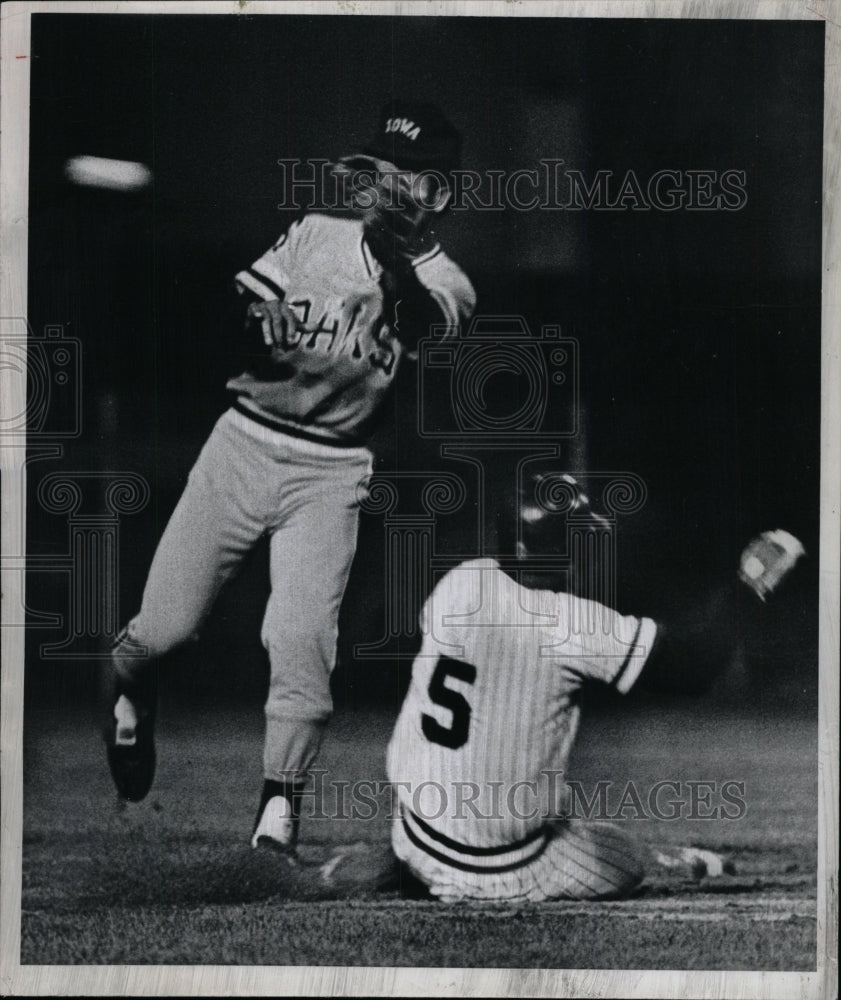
x,y
493,704
330,379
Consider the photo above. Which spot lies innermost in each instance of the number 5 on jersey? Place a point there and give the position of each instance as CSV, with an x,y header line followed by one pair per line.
x,y
456,735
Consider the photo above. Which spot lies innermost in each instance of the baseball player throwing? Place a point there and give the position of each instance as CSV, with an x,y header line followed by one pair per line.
x,y
492,713
334,306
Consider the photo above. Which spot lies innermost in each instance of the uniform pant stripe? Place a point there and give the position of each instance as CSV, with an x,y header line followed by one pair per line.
x,y
455,845
295,431
464,866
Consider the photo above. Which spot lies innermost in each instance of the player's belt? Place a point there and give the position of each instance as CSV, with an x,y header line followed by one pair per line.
x,y
465,857
295,431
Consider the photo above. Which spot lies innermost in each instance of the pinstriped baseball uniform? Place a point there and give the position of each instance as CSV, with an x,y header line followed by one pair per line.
x,y
490,717
287,461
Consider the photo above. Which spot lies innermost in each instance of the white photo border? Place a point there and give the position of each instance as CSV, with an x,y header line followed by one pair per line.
x,y
15,979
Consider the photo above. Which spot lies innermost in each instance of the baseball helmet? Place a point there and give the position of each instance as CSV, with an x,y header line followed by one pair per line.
x,y
548,500
554,539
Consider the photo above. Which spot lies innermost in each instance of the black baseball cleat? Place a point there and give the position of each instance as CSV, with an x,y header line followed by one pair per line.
x,y
130,734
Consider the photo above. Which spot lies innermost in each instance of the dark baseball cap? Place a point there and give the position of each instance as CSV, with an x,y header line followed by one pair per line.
x,y
415,136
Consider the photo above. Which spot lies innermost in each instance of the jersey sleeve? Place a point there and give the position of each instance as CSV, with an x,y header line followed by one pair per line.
x,y
602,645
270,275
449,286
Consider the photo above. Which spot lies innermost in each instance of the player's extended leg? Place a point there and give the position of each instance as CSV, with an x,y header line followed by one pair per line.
x,y
218,519
311,555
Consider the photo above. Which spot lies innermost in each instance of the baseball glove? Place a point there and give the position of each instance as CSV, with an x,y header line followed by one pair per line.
x,y
768,560
391,205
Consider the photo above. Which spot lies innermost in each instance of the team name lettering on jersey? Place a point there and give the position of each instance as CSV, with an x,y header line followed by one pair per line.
x,y
332,372
341,329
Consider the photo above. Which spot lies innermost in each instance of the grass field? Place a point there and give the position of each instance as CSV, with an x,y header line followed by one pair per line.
x,y
173,880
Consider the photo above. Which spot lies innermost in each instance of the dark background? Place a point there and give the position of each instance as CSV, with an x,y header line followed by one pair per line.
x,y
699,331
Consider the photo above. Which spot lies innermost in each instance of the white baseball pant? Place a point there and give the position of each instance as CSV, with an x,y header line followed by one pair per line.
x,y
569,859
250,481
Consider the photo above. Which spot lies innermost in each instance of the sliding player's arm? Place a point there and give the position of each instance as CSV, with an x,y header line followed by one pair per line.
x,y
685,651
695,645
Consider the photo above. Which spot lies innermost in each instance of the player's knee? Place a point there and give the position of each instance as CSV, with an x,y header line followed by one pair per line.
x,y
302,654
606,862
312,634
153,639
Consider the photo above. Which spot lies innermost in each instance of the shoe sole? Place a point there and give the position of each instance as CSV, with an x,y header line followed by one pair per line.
x,y
285,851
132,768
